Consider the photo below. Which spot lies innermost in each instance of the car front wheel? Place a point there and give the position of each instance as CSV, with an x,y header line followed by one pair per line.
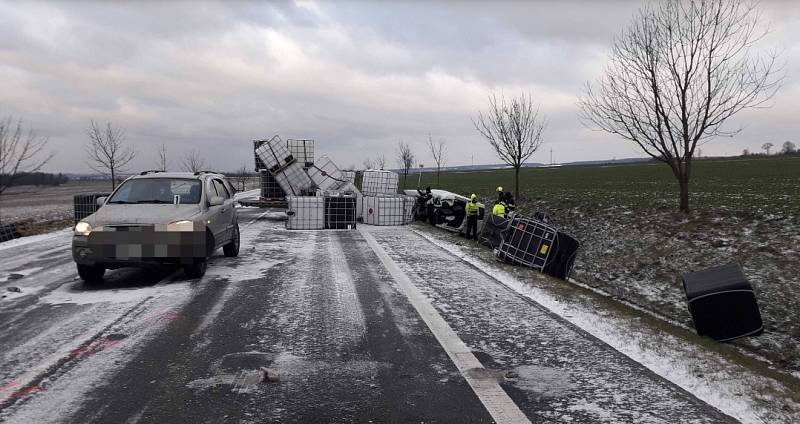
x,y
91,274
195,270
232,248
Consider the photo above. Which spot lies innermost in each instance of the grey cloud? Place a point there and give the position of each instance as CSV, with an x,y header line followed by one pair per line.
x,y
356,76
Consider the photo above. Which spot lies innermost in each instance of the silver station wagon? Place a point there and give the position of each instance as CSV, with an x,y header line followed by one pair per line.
x,y
158,218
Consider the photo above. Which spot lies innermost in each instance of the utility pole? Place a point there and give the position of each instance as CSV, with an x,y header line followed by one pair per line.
x,y
551,156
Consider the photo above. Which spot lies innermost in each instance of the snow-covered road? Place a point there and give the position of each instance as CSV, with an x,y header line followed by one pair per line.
x,y
323,318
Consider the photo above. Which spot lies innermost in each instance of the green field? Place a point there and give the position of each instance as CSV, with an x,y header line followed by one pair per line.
x,y
751,186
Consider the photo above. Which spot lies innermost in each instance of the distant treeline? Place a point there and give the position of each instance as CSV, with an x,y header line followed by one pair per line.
x,y
34,178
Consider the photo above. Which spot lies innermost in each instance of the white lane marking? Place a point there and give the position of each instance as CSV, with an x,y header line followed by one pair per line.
x,y
486,387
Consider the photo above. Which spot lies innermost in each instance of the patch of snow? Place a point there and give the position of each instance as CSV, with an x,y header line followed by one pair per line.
x,y
73,293
249,194
23,241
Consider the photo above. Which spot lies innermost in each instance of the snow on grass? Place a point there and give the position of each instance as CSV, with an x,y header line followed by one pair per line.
x,y
729,387
23,241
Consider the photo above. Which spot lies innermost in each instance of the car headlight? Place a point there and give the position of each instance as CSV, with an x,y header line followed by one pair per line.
x,y
184,225
83,228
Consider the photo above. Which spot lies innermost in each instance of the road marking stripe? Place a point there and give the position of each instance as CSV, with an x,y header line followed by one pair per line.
x,y
486,387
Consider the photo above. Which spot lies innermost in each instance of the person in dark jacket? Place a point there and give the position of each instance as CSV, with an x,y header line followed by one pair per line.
x,y
471,211
508,199
427,198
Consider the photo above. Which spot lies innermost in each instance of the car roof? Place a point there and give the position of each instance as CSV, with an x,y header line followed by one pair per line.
x,y
189,175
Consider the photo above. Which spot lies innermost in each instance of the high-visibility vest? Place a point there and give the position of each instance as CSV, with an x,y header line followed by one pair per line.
x,y
472,208
499,210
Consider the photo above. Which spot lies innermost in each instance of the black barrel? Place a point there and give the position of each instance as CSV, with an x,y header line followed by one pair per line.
x,y
722,303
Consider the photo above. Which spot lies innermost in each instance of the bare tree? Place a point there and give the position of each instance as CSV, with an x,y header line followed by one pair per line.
x,y
677,73
746,152
162,158
767,146
514,130
405,158
20,152
369,163
106,150
380,161
439,153
192,162
788,148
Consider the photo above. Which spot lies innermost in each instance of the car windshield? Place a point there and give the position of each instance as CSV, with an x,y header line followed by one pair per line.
x,y
158,190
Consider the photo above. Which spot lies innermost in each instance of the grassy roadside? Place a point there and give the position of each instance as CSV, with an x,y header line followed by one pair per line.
x,y
635,247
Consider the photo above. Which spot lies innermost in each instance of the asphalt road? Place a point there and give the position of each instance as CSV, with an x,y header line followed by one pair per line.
x,y
371,325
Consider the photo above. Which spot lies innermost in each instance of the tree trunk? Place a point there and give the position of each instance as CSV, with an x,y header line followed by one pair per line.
x,y
683,182
516,184
113,180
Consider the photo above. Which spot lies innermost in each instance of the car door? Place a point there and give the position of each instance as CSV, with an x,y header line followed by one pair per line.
x,y
227,210
215,218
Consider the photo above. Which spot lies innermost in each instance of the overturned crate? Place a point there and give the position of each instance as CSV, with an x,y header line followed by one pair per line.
x,y
326,175
305,213
270,189
259,164
294,180
85,204
527,242
289,175
375,182
273,154
302,150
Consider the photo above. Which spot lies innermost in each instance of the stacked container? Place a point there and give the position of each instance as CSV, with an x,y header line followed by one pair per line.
x,y
305,213
289,174
340,212
302,150
387,209
350,176
270,189
376,182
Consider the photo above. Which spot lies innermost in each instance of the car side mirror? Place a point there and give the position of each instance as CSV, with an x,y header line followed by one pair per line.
x,y
101,201
216,201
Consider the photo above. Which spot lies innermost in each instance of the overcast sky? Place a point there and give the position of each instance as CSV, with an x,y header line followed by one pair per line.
x,y
356,77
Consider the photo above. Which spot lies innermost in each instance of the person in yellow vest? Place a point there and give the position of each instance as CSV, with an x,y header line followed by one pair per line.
x,y
472,217
499,209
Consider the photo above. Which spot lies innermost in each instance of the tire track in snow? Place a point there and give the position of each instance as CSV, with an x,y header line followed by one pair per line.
x,y
63,360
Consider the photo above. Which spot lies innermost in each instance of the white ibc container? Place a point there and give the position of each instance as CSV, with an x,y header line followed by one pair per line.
x,y
294,180
273,154
326,175
305,213
302,150
384,210
377,182
408,213
350,176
